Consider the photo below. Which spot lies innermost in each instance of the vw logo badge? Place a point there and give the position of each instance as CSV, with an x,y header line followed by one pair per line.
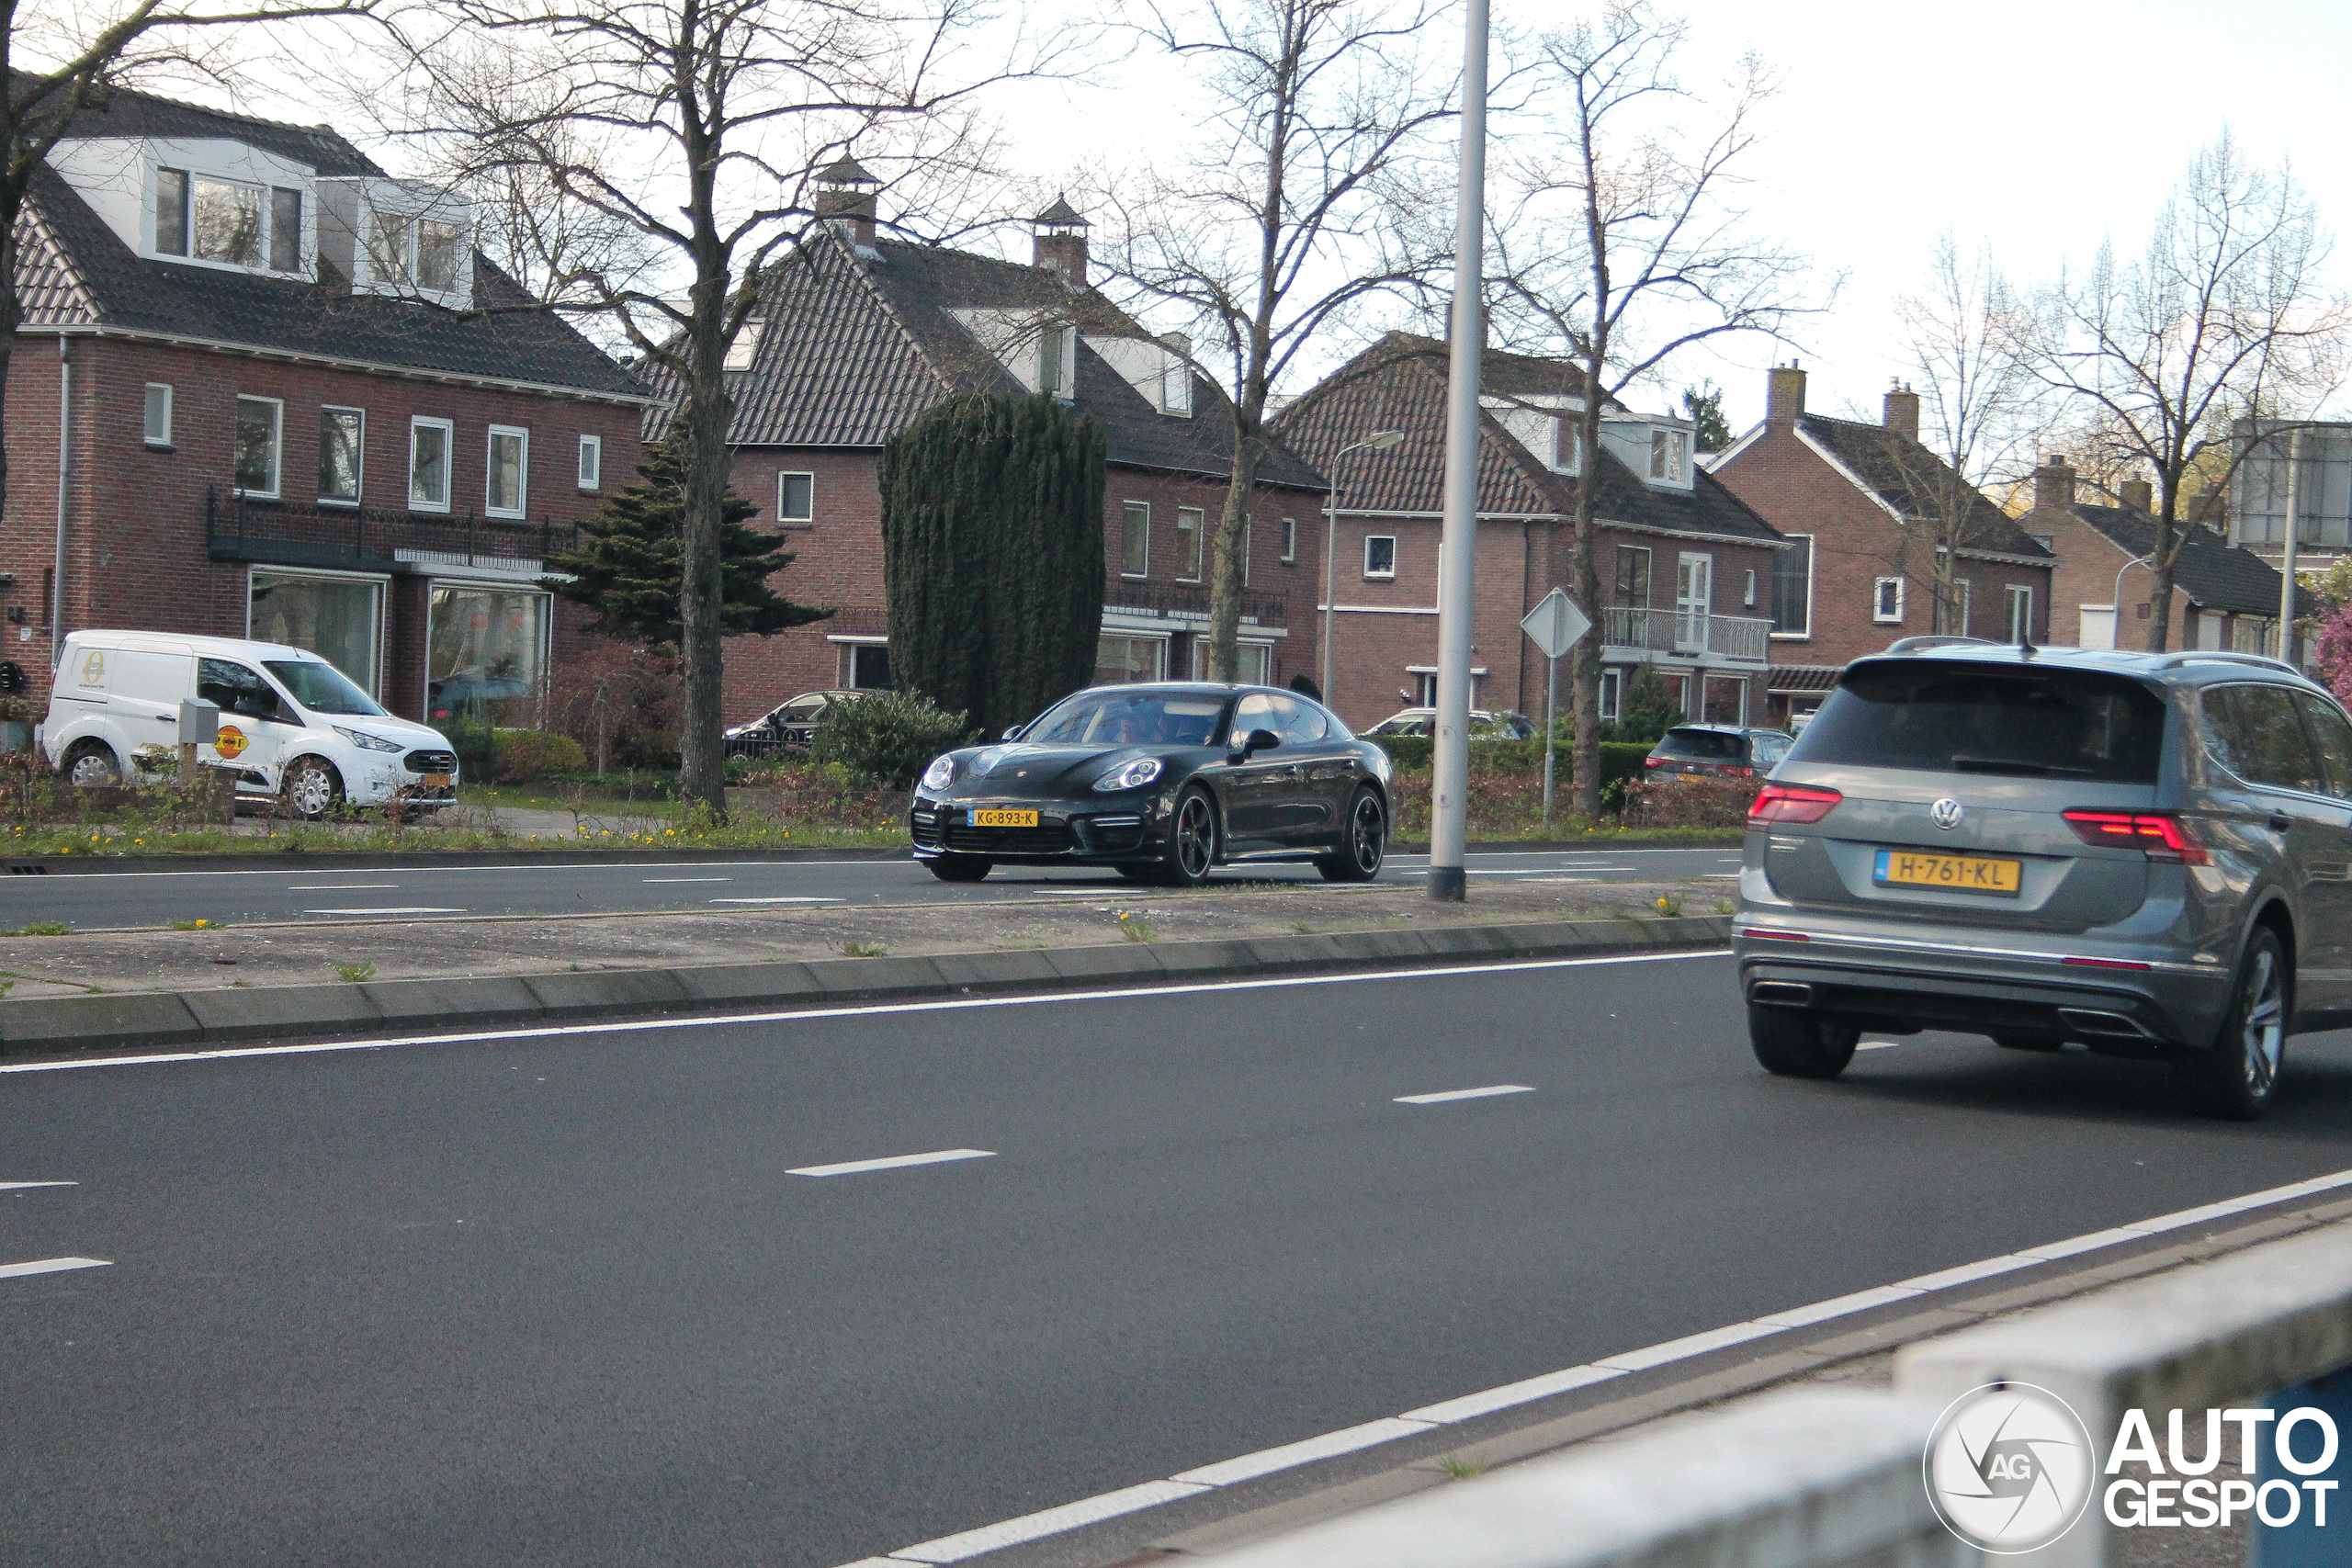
x,y
1945,813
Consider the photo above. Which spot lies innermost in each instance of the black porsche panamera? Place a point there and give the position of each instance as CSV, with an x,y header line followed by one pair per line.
x,y
1163,781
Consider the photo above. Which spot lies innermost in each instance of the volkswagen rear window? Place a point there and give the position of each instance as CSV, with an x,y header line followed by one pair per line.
x,y
1966,718
1702,745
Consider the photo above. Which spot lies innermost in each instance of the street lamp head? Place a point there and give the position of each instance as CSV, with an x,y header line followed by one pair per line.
x,y
1381,441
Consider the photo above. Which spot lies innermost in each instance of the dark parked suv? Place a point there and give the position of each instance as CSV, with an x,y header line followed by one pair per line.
x,y
1715,751
2147,854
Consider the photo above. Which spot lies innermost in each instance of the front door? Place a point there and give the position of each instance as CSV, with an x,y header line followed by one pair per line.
x,y
252,735
1258,791
1694,598
2288,808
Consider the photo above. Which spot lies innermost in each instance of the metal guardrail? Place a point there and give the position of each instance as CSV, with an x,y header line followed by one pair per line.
x,y
237,528
1693,632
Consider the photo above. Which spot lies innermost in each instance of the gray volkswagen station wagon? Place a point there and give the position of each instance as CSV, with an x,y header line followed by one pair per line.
x,y
2148,853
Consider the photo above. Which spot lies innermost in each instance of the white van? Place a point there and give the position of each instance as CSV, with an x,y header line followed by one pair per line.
x,y
291,724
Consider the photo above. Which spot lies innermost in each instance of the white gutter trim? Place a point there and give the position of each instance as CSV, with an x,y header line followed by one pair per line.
x,y
1655,529
370,367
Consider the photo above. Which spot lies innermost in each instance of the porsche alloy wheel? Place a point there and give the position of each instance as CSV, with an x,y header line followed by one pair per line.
x,y
1192,840
1367,842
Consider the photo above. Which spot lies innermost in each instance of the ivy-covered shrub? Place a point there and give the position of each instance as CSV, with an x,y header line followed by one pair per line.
x,y
888,738
526,755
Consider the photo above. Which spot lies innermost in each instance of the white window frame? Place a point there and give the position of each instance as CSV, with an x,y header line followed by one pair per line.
x,y
359,456
1612,694
147,415
374,684
1811,559
261,221
1290,541
1127,511
810,520
2013,594
449,430
521,506
1669,455
1389,575
1965,602
1249,530
1199,657
1200,532
1878,614
276,447
591,463
1747,589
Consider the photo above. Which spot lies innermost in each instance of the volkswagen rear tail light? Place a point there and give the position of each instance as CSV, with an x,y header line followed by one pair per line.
x,y
1792,803
2164,836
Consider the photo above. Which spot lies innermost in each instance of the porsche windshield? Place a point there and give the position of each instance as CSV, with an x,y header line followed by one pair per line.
x,y
1112,718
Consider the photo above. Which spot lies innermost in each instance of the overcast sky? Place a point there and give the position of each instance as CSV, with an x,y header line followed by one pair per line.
x,y
2039,125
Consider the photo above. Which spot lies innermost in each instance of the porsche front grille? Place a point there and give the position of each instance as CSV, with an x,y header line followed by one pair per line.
x,y
1051,838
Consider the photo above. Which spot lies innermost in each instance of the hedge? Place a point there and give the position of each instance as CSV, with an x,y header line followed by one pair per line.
x,y
1619,760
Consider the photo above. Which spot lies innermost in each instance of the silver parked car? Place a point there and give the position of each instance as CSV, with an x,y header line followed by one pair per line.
x,y
2147,854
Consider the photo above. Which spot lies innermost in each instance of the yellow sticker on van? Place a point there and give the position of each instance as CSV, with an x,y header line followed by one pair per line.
x,y
94,667
229,742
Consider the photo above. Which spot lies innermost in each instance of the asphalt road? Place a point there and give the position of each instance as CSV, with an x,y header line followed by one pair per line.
x,y
98,900
564,1300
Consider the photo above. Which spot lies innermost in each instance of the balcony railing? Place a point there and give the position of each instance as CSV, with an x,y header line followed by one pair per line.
x,y
301,533
1689,633
1190,600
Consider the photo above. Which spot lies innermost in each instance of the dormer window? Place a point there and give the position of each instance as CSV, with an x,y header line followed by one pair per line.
x,y
1669,454
746,344
1058,361
418,251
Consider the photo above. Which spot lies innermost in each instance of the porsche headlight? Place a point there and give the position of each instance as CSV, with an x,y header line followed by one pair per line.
x,y
1131,775
940,775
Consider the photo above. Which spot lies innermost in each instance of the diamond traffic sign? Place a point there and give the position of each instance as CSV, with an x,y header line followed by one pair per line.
x,y
1556,624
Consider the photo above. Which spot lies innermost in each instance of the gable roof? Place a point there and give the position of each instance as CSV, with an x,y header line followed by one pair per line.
x,y
74,273
1399,383
2213,572
1906,475
858,341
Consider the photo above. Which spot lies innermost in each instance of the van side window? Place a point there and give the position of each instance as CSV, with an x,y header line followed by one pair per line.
x,y
2334,737
232,688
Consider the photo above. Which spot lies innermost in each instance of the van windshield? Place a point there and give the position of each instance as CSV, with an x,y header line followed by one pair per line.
x,y
1967,719
322,687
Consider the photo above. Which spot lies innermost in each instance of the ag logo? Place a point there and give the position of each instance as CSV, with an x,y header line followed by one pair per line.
x,y
229,742
2009,1467
1945,813
93,669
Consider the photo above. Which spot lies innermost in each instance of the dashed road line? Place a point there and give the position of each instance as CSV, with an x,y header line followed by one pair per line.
x,y
895,1162
52,1266
1441,1097
12,1185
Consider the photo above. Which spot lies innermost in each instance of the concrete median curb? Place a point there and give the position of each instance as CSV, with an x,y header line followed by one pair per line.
x,y
134,1020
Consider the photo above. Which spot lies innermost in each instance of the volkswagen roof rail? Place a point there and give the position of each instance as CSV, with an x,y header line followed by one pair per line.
x,y
2224,656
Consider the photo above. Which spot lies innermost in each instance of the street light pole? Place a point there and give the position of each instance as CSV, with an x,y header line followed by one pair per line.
x,y
2294,538
1456,580
1378,441
2117,597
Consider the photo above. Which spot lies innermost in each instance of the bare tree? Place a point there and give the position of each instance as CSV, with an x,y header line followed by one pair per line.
x,y
696,129
1616,245
58,63
1300,208
2221,318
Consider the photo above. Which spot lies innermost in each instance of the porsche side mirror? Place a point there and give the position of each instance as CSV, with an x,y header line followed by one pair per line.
x,y
1260,741
1014,732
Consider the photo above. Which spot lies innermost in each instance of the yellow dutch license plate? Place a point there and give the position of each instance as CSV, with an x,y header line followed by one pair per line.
x,y
991,819
1689,778
1955,874
436,781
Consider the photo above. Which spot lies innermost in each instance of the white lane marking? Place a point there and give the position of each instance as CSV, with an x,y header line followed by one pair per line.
x,y
1440,1099
870,1010
339,886
649,880
1469,1406
12,1185
52,1266
779,900
896,1162
1052,1522
1878,1046
560,866
390,910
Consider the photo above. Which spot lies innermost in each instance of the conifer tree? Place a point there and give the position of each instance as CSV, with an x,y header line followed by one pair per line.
x,y
630,570
992,554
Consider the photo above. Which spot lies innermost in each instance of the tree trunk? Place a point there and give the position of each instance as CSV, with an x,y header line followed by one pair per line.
x,y
1584,587
2161,559
1225,575
702,772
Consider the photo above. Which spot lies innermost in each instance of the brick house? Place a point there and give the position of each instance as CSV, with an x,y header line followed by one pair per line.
x,y
2224,596
261,388
1860,500
1677,549
857,336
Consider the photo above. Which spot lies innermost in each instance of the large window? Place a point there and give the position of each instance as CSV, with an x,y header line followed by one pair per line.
x,y
1793,588
868,666
227,223
1380,555
796,500
1251,661
1634,576
2020,616
487,654
428,464
159,414
422,251
285,230
506,487
260,429
1119,660
1290,540
171,212
1669,451
1886,601
1188,543
1135,539
341,439
338,618
591,462
436,255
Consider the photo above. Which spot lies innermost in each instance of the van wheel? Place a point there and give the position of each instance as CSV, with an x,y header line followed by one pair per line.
x,y
2238,1078
91,764
1793,1043
313,789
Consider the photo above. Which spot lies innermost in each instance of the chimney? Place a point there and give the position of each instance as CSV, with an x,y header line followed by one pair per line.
x,y
1784,395
2138,496
845,200
1902,411
2053,484
1060,242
